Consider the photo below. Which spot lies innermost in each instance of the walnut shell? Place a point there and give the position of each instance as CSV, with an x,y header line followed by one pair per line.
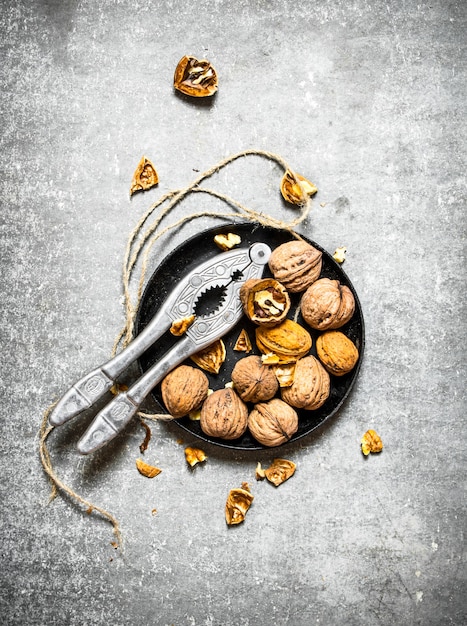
x,y
336,352
288,340
311,386
254,381
296,189
195,77
265,301
273,423
184,389
296,264
327,304
224,415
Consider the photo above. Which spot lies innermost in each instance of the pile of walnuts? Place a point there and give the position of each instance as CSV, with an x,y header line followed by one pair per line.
x,y
266,390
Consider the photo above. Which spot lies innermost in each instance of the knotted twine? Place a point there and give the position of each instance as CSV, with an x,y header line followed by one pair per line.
x,y
140,243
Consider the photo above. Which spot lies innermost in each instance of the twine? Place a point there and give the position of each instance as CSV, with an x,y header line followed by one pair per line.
x,y
139,245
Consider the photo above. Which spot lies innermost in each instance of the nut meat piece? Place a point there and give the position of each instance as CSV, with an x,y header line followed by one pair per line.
x,y
288,340
371,442
227,241
194,456
179,327
254,381
296,189
311,386
327,304
184,389
296,264
145,176
273,423
265,301
279,471
224,415
337,352
195,77
238,502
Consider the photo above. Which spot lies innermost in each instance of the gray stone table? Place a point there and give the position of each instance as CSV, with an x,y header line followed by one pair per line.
x,y
367,100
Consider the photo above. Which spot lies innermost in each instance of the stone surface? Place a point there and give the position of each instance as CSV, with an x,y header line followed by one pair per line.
x,y
367,100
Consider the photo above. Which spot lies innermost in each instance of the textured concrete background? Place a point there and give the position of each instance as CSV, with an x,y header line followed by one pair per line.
x,y
367,99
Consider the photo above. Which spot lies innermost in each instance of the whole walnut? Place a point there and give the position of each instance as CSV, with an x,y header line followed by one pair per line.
x,y
327,304
224,415
311,385
254,381
273,423
296,264
184,389
336,352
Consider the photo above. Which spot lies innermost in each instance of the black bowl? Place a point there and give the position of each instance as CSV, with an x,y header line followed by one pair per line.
x,y
200,248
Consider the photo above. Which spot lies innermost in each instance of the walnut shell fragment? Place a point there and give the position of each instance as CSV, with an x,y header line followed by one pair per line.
x,y
296,264
243,343
224,415
288,340
371,442
184,389
265,301
327,304
211,358
194,456
296,189
273,423
254,381
145,176
285,374
195,77
150,471
311,386
227,241
279,471
337,352
238,502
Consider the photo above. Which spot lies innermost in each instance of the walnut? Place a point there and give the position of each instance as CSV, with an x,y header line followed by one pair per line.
x,y
295,188
150,471
254,381
211,358
265,301
336,352
238,503
145,176
224,415
311,386
279,471
296,264
194,456
195,77
184,389
288,340
228,241
327,304
273,423
371,442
